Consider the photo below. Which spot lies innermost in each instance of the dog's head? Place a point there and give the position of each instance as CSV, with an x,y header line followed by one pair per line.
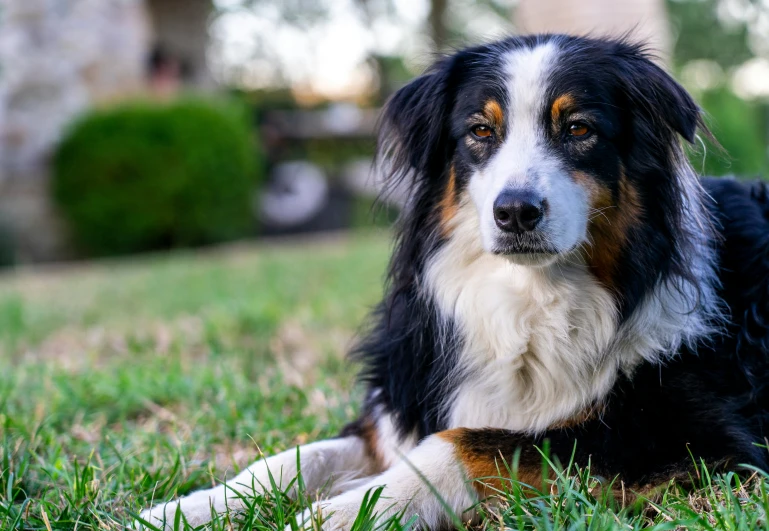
x,y
558,144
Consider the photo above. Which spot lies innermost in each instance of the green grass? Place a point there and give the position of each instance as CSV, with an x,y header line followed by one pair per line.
x,y
130,381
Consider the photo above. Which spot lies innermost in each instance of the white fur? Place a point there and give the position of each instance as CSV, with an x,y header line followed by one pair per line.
x,y
327,466
391,445
524,161
406,491
534,338
542,343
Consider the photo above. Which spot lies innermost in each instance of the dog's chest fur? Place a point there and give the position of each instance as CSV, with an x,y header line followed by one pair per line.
x,y
537,346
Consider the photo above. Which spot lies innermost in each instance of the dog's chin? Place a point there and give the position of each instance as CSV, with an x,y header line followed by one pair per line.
x,y
531,249
529,259
528,251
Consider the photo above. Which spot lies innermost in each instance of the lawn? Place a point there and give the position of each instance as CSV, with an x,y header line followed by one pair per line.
x,y
128,381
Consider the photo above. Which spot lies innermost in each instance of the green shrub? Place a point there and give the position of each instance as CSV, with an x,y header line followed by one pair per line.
x,y
146,176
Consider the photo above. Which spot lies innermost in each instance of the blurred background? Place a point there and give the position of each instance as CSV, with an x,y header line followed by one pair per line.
x,y
129,126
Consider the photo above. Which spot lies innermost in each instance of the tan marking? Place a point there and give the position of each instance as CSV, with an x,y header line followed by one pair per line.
x,y
370,436
610,221
493,112
561,104
448,206
489,471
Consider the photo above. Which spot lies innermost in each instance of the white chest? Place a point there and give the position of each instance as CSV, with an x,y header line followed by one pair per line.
x,y
534,340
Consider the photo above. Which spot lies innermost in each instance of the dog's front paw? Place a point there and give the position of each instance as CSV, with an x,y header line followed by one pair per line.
x,y
339,513
164,515
327,516
161,516
195,509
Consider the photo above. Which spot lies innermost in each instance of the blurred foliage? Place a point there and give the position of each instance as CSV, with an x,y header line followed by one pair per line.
x,y
741,128
262,100
331,153
392,73
369,212
147,176
300,13
703,31
699,34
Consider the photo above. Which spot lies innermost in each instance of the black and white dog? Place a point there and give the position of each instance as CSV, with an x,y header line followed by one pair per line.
x,y
560,273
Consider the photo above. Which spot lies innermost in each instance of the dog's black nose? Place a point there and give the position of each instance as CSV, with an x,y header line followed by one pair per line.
x,y
518,211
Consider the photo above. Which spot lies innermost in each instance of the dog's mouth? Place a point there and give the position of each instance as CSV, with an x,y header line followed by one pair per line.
x,y
512,245
514,250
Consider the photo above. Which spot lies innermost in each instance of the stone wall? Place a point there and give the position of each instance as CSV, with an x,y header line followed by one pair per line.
x,y
57,59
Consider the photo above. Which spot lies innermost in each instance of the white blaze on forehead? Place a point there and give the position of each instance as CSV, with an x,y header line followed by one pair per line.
x,y
528,71
525,159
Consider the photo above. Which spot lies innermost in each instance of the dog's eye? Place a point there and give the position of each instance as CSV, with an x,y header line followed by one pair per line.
x,y
578,129
481,131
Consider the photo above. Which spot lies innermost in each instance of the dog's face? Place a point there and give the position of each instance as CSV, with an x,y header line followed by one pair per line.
x,y
546,138
533,155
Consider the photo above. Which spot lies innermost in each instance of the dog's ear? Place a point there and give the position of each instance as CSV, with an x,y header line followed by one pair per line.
x,y
655,94
414,135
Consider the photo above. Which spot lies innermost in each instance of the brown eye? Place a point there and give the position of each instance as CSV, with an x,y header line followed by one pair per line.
x,y
578,129
481,131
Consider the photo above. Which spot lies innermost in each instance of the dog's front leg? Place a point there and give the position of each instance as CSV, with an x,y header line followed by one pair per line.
x,y
456,465
325,466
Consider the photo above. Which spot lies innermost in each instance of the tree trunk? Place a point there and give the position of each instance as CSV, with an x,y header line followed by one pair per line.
x,y
438,26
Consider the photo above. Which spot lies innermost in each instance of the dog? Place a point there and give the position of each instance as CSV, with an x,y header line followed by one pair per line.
x,y
560,276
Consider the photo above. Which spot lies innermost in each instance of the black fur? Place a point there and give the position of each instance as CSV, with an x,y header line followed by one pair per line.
x,y
712,397
713,401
